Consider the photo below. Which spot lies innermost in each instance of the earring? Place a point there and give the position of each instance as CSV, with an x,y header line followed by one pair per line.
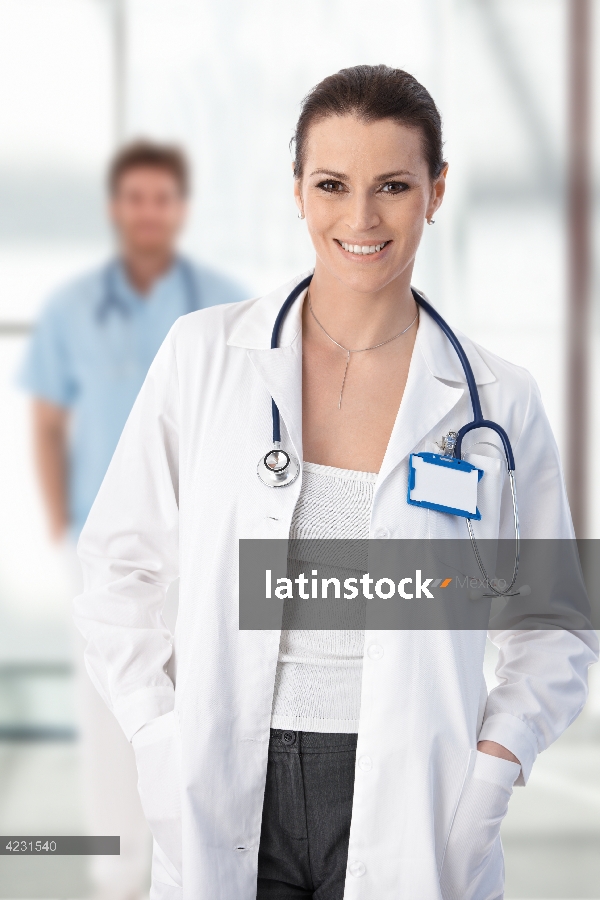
x,y
300,216
431,221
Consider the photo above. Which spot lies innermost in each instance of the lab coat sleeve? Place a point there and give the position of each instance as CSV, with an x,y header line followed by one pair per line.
x,y
129,554
542,674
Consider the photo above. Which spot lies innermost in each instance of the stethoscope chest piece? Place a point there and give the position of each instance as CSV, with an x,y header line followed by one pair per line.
x,y
277,468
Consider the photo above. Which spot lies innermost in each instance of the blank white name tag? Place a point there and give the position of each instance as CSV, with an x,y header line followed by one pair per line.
x,y
443,483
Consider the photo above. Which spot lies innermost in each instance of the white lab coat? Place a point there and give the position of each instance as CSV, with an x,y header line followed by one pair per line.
x,y
182,489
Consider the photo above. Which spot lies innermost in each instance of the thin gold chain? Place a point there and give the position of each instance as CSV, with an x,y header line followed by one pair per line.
x,y
362,349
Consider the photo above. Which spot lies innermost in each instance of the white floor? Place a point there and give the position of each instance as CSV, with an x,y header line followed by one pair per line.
x,y
551,834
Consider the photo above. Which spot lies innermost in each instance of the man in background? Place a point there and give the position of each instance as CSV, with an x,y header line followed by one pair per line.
x,y
86,362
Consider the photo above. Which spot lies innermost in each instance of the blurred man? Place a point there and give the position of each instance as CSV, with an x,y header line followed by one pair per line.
x,y
87,359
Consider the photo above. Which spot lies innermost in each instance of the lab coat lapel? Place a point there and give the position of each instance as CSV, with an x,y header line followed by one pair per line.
x,y
281,372
426,400
279,369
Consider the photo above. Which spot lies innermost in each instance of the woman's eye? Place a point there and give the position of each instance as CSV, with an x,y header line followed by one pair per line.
x,y
394,187
331,187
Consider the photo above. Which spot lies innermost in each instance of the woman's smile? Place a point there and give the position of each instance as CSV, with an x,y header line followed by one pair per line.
x,y
360,252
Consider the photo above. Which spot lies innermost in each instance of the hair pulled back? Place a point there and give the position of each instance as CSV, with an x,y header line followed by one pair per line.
x,y
373,93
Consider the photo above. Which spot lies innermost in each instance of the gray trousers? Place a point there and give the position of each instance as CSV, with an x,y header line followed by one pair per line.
x,y
307,809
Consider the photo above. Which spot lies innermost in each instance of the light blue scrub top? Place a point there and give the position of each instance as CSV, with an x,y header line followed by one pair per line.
x,y
92,357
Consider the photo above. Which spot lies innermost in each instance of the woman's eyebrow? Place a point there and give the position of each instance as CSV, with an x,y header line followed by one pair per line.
x,y
343,177
389,175
339,175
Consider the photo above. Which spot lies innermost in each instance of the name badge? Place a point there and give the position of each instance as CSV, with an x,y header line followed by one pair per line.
x,y
444,484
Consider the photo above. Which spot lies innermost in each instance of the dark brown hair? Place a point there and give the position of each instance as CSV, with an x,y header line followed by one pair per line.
x,y
373,93
143,154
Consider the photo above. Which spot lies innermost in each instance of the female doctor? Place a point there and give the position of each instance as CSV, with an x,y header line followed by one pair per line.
x,y
340,764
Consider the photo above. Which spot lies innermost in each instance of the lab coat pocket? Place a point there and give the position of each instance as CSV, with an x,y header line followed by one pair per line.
x,y
166,883
446,526
489,493
157,748
473,866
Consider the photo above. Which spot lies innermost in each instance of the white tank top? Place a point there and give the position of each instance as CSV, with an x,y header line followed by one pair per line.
x,y
319,673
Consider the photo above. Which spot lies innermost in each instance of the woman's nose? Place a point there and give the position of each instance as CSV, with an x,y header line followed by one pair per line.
x,y
362,213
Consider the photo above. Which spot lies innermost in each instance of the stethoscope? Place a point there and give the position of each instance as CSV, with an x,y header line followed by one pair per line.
x,y
278,468
111,301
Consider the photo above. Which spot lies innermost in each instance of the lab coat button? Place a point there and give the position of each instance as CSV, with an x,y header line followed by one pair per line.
x,y
382,533
365,763
357,868
375,651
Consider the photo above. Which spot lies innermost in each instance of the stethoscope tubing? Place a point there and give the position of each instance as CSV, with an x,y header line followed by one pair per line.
x,y
275,342
478,419
477,422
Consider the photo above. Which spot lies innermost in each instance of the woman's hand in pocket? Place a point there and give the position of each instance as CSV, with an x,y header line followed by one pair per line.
x,y
157,748
473,864
494,749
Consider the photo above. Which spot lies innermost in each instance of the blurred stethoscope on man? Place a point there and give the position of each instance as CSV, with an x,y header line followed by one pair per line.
x,y
111,299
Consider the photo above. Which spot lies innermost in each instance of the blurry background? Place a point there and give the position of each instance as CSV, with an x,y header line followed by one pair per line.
x,y
224,78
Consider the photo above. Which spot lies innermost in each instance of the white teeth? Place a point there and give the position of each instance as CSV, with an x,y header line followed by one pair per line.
x,y
362,251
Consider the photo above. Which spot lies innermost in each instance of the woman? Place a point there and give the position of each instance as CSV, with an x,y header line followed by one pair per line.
x,y
336,763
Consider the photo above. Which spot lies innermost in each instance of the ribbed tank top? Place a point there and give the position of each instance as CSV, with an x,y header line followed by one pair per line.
x,y
319,672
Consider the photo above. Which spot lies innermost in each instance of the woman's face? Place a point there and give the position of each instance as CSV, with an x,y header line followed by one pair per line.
x,y
366,193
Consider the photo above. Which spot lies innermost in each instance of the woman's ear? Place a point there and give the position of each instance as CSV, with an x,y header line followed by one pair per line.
x,y
298,197
438,189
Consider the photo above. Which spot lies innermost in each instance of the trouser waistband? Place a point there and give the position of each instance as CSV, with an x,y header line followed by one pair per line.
x,y
284,740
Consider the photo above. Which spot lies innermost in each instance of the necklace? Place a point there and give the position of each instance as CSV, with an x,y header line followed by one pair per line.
x,y
362,349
